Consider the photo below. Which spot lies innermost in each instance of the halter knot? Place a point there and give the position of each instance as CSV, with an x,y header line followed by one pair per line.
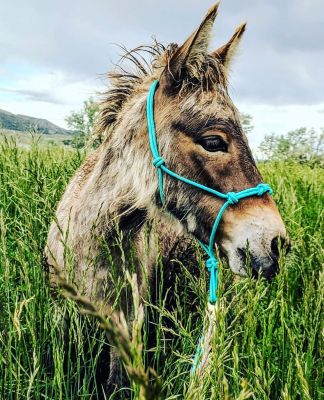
x,y
211,264
232,198
263,188
158,161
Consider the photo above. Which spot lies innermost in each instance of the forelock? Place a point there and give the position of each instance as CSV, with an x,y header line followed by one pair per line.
x,y
204,73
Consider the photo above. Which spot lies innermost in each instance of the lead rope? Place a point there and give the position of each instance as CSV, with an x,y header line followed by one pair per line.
x,y
231,198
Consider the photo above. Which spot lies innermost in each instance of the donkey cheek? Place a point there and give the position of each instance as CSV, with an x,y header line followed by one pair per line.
x,y
191,223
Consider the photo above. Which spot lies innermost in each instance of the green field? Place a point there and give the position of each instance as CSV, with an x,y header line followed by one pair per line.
x,y
268,342
25,139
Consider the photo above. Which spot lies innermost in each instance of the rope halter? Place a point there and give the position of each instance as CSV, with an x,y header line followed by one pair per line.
x,y
230,198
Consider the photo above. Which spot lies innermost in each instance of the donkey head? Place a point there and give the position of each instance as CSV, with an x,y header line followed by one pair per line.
x,y
200,137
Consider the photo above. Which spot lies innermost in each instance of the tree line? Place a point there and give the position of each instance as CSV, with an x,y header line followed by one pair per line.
x,y
302,145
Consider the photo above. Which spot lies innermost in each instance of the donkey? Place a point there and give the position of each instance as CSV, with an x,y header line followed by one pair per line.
x,y
199,134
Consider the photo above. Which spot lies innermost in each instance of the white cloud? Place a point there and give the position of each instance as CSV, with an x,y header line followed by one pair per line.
x,y
281,119
46,95
52,53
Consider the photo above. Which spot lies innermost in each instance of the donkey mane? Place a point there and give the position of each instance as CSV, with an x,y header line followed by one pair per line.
x,y
204,73
123,81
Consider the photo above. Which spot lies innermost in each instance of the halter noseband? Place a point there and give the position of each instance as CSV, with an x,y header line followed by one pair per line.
x,y
230,198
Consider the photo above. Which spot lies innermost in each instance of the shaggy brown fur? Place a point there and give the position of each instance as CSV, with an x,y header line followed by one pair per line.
x,y
115,193
205,72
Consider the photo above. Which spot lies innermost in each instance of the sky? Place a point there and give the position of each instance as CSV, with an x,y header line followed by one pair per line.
x,y
54,54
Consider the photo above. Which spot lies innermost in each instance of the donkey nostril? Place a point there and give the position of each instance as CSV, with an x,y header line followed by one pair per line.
x,y
275,246
272,271
280,242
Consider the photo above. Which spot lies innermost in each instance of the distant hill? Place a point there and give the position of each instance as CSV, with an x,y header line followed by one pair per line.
x,y
24,123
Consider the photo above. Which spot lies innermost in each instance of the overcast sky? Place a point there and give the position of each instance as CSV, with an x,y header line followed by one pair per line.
x,y
53,53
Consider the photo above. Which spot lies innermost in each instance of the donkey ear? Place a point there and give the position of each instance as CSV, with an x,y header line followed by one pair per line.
x,y
225,53
197,43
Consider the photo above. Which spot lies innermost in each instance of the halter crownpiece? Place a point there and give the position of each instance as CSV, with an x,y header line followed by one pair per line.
x,y
231,198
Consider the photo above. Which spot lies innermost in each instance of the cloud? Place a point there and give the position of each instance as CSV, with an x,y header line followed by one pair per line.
x,y
53,52
281,119
279,62
34,95
44,95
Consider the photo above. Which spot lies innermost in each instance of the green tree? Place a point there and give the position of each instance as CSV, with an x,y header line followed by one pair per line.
x,y
82,122
301,145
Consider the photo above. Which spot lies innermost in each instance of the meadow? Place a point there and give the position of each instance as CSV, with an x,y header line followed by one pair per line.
x,y
268,342
24,138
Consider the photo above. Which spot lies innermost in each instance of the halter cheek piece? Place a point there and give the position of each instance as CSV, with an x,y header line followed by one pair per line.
x,y
230,198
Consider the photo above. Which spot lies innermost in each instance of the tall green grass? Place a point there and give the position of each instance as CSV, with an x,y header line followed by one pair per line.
x,y
268,336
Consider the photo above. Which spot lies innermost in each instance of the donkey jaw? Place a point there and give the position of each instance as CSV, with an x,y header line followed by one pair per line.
x,y
260,266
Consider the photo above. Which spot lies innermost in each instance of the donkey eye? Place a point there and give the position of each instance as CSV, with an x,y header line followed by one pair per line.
x,y
213,143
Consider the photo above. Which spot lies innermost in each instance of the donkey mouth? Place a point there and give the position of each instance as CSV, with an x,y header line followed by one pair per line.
x,y
264,267
269,273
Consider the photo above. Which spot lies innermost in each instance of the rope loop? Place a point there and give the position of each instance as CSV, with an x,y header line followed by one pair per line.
x,y
158,161
232,198
263,188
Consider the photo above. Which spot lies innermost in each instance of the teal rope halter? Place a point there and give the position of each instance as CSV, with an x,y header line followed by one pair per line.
x,y
230,198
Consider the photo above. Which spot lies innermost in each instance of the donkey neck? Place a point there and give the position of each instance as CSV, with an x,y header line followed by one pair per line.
x,y
125,170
